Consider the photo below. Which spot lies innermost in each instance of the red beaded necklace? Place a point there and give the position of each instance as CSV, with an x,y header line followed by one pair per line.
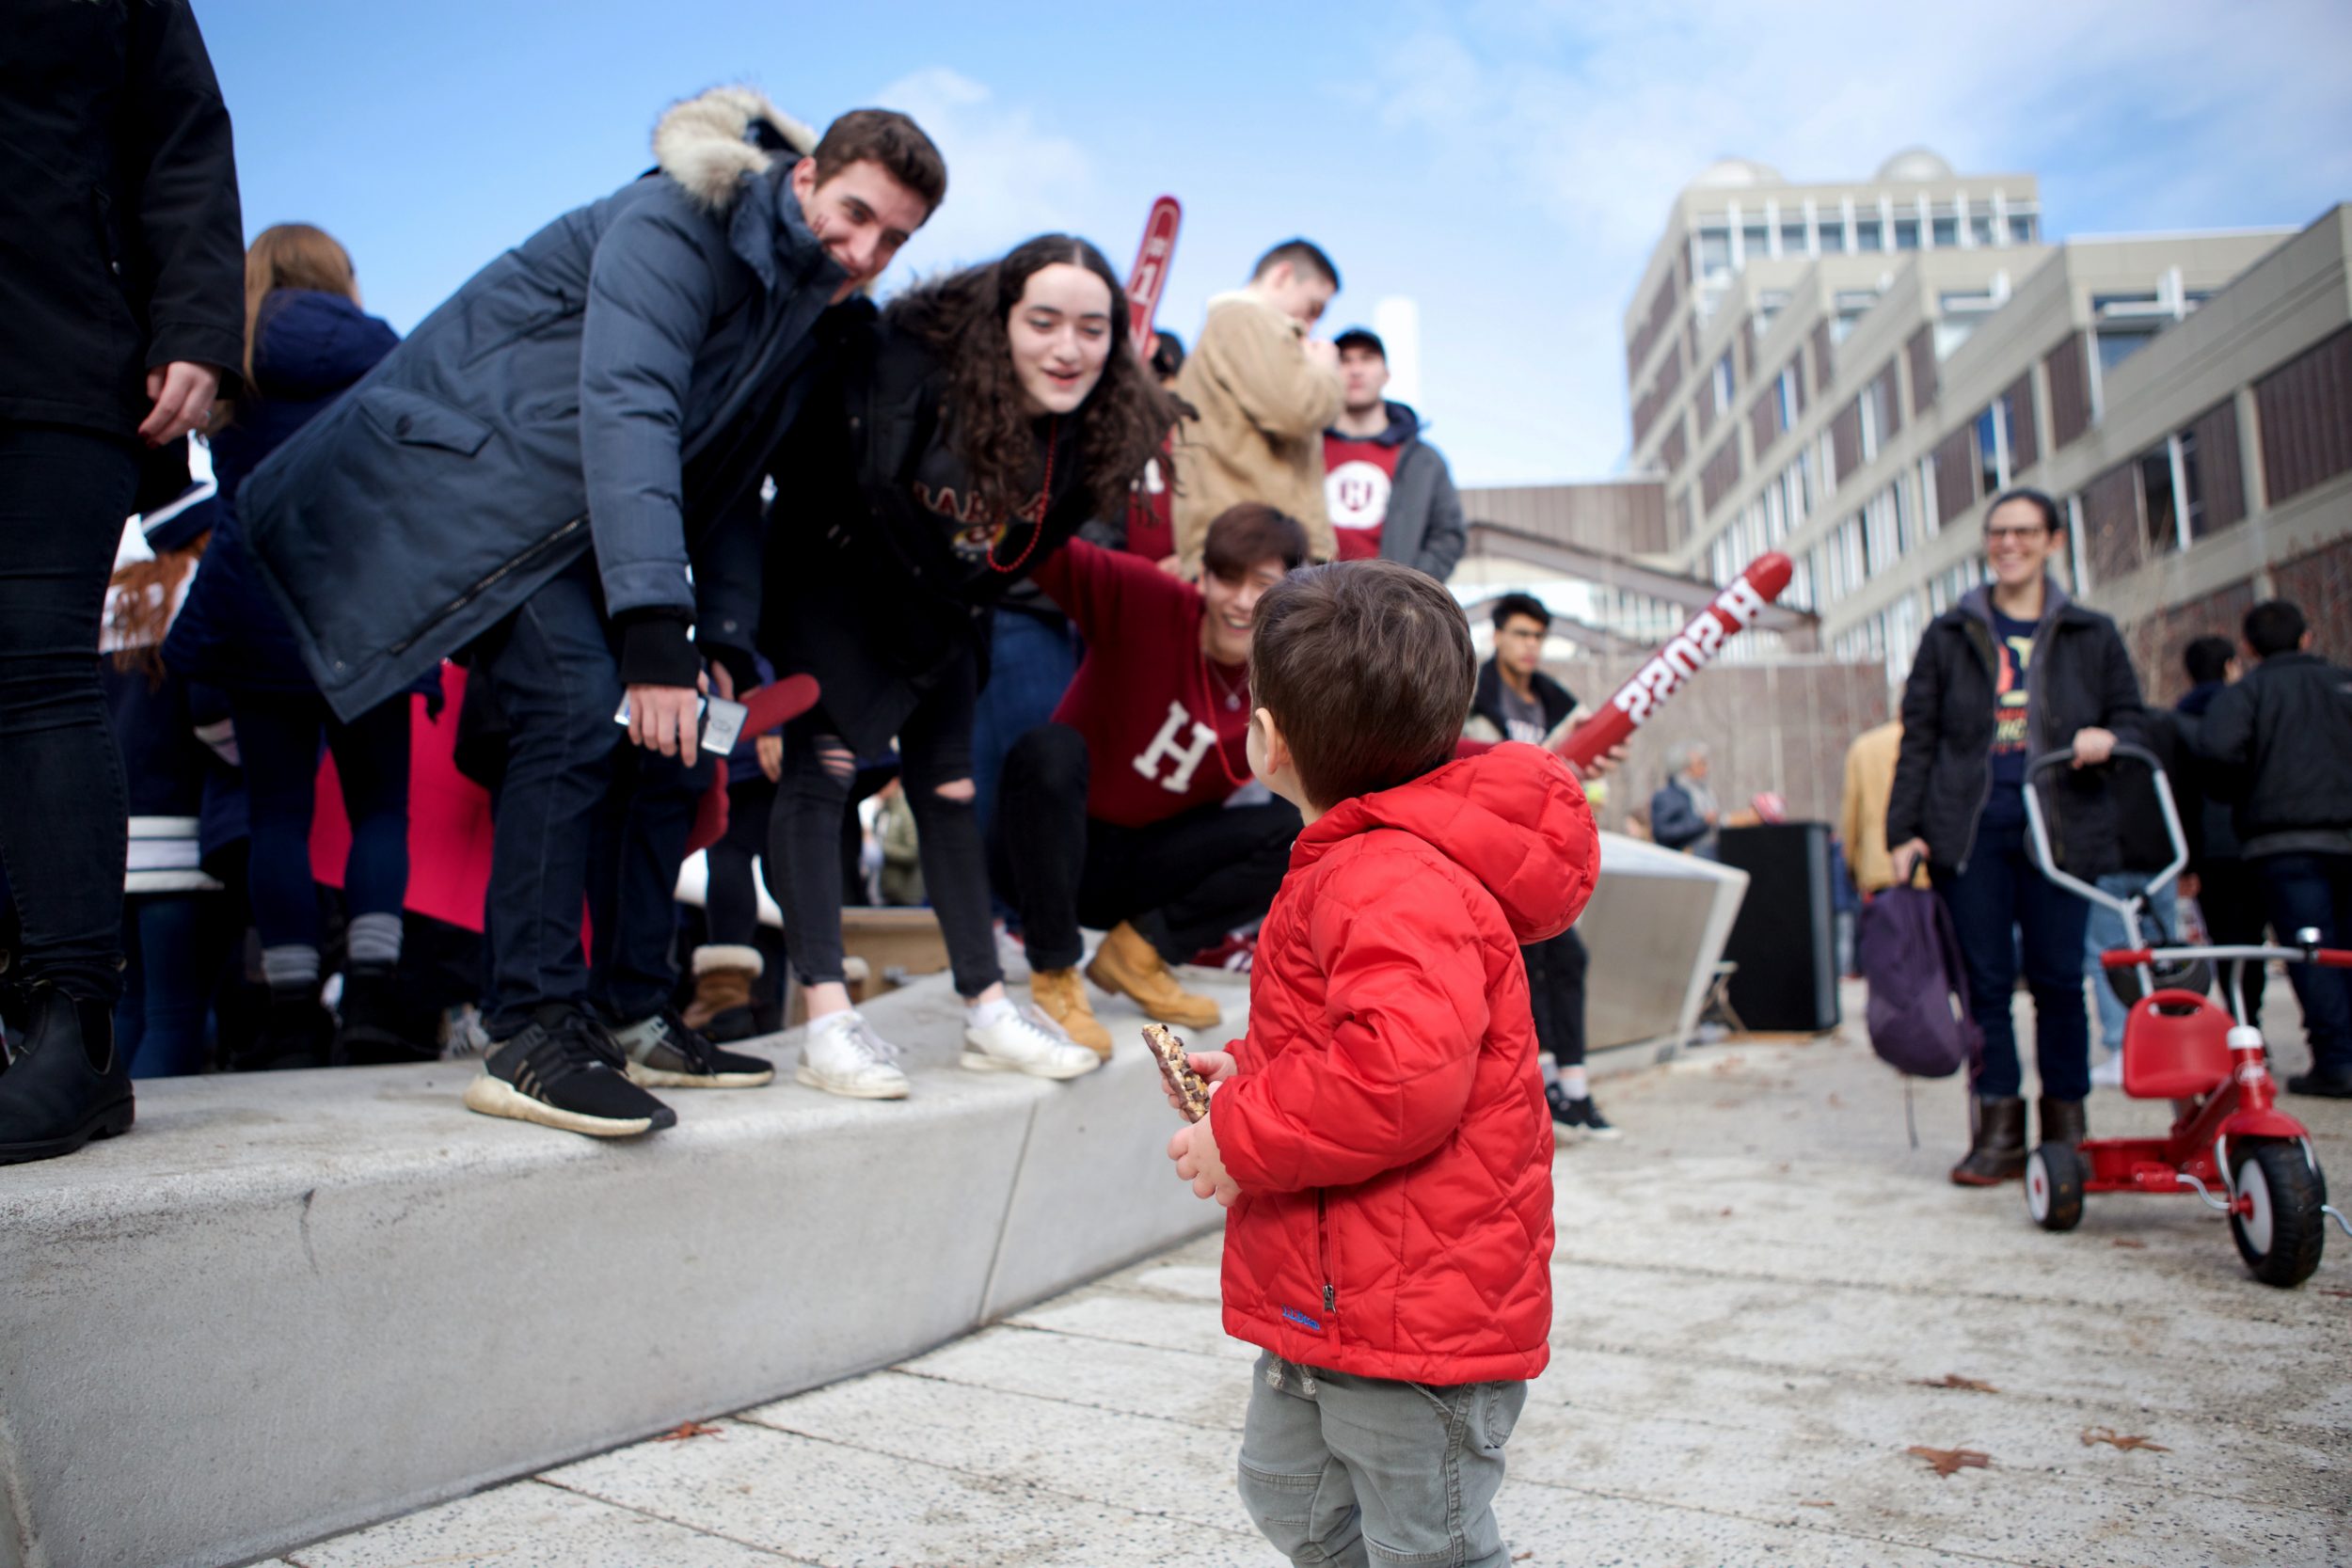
x,y
1037,514
1208,702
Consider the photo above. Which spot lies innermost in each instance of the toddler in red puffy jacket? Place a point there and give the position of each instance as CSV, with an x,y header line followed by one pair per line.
x,y
1381,1135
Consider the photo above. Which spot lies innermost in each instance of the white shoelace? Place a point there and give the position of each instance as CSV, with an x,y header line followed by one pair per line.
x,y
860,1035
1038,1021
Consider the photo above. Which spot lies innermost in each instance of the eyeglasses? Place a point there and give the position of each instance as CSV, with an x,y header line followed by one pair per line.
x,y
1995,535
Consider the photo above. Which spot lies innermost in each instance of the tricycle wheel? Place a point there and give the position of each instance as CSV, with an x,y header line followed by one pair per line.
x,y
2054,1186
2282,1231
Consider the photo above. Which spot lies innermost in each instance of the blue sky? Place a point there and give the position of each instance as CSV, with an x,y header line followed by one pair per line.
x,y
1508,167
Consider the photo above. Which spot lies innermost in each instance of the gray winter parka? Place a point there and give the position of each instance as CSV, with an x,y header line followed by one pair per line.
x,y
618,377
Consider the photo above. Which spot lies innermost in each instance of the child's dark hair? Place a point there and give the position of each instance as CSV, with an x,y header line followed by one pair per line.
x,y
1251,532
2207,659
1522,604
2275,626
1367,668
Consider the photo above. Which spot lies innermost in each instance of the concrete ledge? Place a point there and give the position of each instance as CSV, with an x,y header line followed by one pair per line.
x,y
290,1305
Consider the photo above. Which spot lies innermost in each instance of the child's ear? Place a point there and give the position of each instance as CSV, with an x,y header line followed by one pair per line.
x,y
1277,751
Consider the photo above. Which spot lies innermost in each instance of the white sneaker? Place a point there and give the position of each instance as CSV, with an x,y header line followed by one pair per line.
x,y
2109,1073
841,1054
1025,1039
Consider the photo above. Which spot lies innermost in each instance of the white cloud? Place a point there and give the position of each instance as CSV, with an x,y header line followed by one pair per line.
x,y
1008,177
2148,114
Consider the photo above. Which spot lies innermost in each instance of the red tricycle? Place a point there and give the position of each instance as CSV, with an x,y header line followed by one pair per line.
x,y
2227,1129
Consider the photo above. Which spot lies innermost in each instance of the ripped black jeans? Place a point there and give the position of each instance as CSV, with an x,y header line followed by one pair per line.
x,y
804,833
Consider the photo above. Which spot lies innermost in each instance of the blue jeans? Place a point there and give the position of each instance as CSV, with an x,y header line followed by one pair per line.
x,y
2106,930
279,734
63,495
1031,662
1998,900
175,943
574,830
2307,893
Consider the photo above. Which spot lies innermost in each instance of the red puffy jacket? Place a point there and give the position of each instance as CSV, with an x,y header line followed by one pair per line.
x,y
1387,1124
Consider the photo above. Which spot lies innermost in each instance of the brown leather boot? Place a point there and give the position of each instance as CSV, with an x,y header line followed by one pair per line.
x,y
1128,964
1997,1152
722,1009
1062,996
2061,1121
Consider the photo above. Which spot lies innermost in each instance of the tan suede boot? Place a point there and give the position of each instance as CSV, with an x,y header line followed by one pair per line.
x,y
1129,965
1062,996
722,1009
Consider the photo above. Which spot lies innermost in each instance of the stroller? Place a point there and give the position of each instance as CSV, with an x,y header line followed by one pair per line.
x,y
2227,1132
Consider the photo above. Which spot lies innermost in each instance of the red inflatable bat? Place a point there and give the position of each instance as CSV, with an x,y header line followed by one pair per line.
x,y
1150,270
1732,611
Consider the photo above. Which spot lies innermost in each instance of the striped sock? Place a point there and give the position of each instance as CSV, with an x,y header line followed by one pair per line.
x,y
372,939
293,967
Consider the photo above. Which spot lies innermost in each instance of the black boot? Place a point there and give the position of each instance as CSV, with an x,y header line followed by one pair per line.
x,y
2061,1121
1996,1152
296,1032
68,1086
379,1025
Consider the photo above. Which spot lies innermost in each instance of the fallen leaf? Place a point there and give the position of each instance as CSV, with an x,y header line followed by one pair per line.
x,y
2110,1436
1722,1214
2339,1294
1524,1557
685,1430
1835,1103
1950,1462
1953,1380
2128,1242
1810,1504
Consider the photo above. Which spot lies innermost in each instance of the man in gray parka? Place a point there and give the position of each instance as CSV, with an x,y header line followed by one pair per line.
x,y
555,476
1388,493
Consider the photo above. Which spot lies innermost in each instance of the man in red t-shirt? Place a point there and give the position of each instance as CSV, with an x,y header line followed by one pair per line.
x,y
1117,815
1389,492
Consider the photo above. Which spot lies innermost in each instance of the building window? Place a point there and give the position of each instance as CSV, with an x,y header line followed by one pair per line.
x,y
1992,453
1714,258
1723,387
1868,234
1787,390
2119,343
1756,237
1852,306
1981,228
2156,493
1945,228
2023,228
2191,489
1768,305
1872,417
1793,238
1906,233
1833,230
1929,524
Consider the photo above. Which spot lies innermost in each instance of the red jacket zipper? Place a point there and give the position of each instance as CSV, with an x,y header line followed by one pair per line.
x,y
1322,1254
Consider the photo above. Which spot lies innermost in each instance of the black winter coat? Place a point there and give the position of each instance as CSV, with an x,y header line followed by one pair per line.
x,y
2281,741
866,592
1486,717
120,243
2080,678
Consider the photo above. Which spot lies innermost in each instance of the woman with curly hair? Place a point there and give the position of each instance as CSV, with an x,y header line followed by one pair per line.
x,y
968,433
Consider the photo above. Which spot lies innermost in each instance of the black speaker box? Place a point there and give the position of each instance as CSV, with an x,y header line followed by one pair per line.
x,y
1784,941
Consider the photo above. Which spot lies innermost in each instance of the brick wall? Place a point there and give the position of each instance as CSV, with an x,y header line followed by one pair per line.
x,y
2321,584
2156,640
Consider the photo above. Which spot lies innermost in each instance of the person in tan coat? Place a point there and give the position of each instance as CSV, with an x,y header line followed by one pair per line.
x,y
1261,391
1861,812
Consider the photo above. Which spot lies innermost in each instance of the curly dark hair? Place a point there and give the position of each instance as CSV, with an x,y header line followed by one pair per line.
x,y
962,319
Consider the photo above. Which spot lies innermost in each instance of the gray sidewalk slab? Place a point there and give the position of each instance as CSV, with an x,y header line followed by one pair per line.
x,y
1759,1290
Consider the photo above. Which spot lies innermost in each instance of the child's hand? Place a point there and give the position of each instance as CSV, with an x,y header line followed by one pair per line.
x,y
1212,1067
1193,1150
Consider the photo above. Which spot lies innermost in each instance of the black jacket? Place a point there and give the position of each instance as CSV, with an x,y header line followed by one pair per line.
x,y
2080,678
2281,743
1487,720
865,590
120,243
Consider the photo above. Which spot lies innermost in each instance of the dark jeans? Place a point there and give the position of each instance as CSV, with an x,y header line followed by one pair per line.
x,y
2229,893
278,734
1184,882
1555,994
566,838
1031,662
2315,892
177,944
1999,898
730,903
804,833
64,494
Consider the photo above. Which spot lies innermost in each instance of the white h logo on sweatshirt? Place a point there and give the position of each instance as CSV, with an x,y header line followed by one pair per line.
x,y
1163,746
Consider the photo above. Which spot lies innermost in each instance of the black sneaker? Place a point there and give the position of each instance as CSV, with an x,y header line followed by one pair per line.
x,y
564,1071
380,1025
2326,1083
297,1033
1574,1118
663,1052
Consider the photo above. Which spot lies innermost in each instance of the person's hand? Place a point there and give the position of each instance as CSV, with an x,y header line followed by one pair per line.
x,y
2191,885
1710,816
1322,354
1172,564
1193,1150
1907,858
769,749
1212,1067
665,718
182,393
722,683
2093,746
1603,765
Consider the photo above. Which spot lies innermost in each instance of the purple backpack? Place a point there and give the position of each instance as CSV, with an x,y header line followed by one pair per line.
x,y
1919,1019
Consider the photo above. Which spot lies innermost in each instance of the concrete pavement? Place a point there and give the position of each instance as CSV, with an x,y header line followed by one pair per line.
x,y
1761,1290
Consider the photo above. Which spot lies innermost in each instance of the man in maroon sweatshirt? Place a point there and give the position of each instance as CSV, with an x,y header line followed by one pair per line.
x,y
1120,814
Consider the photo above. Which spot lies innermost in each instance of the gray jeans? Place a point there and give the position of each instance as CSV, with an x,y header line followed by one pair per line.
x,y
1356,1471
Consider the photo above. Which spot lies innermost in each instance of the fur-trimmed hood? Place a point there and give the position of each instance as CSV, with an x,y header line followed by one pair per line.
x,y
708,142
